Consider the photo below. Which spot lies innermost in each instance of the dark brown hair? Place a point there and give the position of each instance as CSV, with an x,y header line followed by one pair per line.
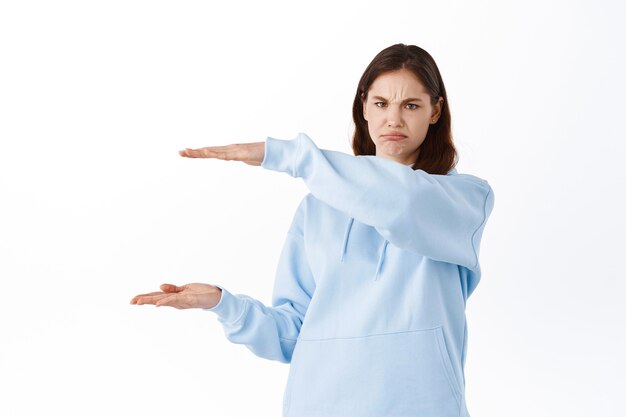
x,y
437,153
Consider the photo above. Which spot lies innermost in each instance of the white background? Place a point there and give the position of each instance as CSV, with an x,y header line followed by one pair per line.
x,y
97,97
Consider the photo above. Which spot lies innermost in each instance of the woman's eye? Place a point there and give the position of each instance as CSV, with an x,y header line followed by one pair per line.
x,y
379,104
412,106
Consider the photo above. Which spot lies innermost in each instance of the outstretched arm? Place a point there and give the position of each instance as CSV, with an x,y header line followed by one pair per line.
x,y
269,332
441,217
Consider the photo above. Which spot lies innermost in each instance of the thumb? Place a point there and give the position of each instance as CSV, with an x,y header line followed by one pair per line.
x,y
171,288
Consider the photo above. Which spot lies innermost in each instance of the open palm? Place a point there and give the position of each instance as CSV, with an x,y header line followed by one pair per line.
x,y
188,296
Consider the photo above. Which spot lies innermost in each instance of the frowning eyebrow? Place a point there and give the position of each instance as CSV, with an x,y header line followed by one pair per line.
x,y
404,101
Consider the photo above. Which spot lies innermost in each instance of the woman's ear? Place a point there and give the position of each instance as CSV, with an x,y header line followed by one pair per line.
x,y
364,105
437,110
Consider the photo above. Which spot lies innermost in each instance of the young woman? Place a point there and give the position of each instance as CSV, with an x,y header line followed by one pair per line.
x,y
369,296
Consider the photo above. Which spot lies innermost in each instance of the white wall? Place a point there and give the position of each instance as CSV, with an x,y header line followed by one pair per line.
x,y
96,98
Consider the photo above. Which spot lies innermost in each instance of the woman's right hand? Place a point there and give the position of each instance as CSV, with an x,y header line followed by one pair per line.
x,y
187,296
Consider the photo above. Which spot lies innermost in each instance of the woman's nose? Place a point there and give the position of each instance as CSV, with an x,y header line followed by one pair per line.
x,y
394,117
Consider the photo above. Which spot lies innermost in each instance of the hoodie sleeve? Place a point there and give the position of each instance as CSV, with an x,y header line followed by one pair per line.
x,y
271,332
441,217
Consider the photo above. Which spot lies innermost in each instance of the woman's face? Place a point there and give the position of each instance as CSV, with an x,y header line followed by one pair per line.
x,y
398,113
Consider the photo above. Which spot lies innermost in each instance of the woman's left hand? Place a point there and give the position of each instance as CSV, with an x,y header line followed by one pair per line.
x,y
250,153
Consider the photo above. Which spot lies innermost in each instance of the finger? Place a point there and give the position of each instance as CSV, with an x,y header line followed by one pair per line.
x,y
189,153
133,301
197,153
206,152
234,152
170,288
150,299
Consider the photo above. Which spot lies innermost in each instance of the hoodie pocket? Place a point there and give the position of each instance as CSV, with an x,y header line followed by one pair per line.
x,y
393,374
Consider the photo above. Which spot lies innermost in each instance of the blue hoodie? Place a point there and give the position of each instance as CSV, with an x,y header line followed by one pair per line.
x,y
369,296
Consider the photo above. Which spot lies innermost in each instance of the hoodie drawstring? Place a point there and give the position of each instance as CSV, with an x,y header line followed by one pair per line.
x,y
344,248
345,238
380,261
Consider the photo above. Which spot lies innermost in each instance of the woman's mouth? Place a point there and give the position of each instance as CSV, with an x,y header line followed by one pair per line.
x,y
394,137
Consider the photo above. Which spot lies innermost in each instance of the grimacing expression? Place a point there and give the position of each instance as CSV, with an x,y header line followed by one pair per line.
x,y
398,112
